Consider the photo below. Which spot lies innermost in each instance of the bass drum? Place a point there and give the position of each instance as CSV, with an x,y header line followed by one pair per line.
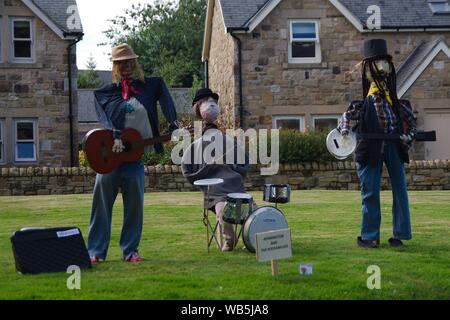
x,y
263,219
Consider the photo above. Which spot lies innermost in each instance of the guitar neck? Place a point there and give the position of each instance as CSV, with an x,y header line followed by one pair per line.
x,y
149,142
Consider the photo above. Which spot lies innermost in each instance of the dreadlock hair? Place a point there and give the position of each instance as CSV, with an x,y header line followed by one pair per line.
x,y
389,82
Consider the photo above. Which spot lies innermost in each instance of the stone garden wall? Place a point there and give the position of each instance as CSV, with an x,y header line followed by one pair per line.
x,y
421,175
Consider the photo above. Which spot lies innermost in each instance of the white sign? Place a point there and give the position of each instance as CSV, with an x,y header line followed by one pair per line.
x,y
67,233
273,245
306,269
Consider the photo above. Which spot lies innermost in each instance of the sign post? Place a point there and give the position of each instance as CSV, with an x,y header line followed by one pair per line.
x,y
273,246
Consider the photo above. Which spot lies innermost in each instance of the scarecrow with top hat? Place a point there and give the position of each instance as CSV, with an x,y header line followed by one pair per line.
x,y
381,113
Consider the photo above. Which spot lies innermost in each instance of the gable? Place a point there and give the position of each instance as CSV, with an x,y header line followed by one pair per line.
x,y
418,62
57,15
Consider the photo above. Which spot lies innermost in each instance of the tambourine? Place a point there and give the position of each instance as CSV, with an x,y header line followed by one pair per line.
x,y
340,146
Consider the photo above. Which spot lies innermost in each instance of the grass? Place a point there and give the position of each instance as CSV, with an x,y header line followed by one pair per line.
x,y
324,226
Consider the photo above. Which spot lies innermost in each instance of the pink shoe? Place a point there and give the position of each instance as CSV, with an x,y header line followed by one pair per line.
x,y
134,258
95,259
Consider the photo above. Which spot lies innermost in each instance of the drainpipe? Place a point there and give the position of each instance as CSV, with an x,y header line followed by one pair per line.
x,y
241,103
206,84
79,37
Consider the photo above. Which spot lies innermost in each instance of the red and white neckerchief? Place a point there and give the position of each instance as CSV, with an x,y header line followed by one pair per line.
x,y
128,90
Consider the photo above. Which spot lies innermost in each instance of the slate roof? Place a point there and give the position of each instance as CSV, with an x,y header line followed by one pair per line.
x,y
399,13
416,57
237,13
56,10
395,13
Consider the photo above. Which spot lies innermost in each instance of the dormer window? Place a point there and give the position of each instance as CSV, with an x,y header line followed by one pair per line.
x,y
439,6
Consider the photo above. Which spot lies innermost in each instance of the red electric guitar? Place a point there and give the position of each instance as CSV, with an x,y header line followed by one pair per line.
x,y
98,144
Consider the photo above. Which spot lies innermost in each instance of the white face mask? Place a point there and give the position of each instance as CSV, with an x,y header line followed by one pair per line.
x,y
383,67
209,110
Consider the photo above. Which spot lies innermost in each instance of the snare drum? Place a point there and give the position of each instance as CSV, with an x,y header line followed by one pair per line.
x,y
238,208
263,219
277,193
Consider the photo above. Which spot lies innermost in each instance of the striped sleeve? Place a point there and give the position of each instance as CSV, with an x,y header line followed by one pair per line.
x,y
409,116
352,113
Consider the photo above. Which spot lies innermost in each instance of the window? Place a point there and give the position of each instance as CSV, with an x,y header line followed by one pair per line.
x,y
289,122
439,6
325,123
22,49
304,46
2,141
25,141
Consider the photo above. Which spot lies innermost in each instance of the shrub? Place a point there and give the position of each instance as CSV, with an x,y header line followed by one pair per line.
x,y
297,146
153,158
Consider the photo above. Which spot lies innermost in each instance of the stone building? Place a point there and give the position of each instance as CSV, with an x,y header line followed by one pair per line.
x,y
38,99
294,63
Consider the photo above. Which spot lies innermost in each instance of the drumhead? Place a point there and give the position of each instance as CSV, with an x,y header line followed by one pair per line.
x,y
341,147
244,197
263,219
208,182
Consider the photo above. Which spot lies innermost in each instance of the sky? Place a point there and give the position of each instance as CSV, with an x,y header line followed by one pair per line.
x,y
94,16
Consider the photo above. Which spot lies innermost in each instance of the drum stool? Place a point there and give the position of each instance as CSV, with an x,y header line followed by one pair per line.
x,y
207,183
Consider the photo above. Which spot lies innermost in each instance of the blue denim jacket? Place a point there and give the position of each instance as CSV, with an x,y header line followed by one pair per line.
x,y
110,106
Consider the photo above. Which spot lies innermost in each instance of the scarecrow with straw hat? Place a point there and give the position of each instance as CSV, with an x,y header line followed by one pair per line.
x,y
381,113
129,102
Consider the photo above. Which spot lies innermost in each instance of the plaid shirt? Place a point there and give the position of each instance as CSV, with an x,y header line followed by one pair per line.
x,y
386,117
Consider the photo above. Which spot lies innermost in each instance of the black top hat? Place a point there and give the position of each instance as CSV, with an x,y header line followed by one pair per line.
x,y
376,48
203,93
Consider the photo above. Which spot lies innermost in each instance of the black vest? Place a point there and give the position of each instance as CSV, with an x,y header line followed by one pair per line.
x,y
370,151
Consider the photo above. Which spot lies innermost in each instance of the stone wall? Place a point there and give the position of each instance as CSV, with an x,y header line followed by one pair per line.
x,y
421,175
37,91
222,67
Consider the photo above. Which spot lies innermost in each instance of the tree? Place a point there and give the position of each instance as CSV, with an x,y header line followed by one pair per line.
x,y
168,37
89,79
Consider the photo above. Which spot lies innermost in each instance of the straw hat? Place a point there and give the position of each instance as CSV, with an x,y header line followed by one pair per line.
x,y
123,52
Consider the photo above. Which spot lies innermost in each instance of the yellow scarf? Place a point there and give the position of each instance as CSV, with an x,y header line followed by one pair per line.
x,y
374,89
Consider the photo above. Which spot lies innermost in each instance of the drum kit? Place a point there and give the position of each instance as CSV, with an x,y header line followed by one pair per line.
x,y
241,210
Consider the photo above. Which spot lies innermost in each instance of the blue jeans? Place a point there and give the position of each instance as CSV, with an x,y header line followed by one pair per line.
x,y
130,179
370,177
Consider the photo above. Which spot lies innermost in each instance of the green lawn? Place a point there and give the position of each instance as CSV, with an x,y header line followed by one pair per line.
x,y
324,226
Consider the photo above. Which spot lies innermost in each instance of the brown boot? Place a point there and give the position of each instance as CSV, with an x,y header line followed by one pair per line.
x,y
228,245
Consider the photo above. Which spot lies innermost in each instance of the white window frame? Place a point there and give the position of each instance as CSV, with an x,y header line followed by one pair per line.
x,y
324,116
35,140
2,142
318,57
31,39
301,120
433,9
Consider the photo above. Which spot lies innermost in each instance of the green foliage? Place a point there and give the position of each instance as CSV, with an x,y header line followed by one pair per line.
x,y
168,37
153,158
197,84
297,147
89,79
82,159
